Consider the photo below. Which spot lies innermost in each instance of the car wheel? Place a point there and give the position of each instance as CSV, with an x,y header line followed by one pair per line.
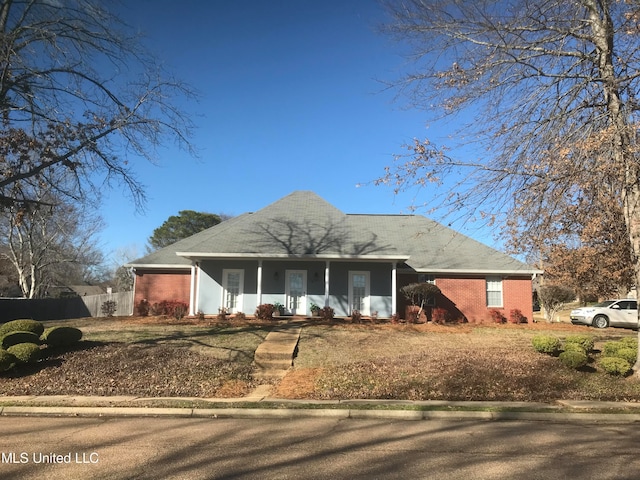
x,y
601,321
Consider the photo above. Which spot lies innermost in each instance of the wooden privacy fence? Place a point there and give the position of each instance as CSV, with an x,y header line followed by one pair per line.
x,y
63,308
124,303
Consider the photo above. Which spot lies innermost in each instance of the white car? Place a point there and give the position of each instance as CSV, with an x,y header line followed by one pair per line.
x,y
615,313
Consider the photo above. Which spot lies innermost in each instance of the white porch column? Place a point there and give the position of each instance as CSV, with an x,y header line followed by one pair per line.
x,y
135,282
192,291
326,284
197,294
394,288
259,292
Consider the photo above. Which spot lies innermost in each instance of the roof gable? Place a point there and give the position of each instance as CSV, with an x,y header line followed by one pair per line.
x,y
299,224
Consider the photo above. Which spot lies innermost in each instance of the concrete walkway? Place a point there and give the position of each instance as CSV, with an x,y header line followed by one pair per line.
x,y
274,356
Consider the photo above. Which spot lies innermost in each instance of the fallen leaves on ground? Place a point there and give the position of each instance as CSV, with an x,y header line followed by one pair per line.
x,y
335,361
122,369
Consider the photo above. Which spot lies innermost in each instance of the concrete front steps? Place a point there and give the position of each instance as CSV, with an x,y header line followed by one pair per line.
x,y
274,356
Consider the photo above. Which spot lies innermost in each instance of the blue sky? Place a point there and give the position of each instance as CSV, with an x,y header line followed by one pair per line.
x,y
292,98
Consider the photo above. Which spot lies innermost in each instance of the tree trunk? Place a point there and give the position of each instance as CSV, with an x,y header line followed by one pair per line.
x,y
603,35
632,218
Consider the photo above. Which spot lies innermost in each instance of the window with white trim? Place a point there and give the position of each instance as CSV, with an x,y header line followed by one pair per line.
x,y
494,291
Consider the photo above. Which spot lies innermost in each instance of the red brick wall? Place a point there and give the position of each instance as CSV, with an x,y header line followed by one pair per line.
x,y
518,294
156,286
468,295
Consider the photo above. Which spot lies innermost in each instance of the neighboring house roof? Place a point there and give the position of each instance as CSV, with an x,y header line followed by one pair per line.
x,y
84,290
81,290
304,225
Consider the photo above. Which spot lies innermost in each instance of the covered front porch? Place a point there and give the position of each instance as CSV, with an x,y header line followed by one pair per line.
x,y
345,283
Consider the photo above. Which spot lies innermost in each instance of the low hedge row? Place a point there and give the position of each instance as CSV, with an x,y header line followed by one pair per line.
x,y
21,341
616,358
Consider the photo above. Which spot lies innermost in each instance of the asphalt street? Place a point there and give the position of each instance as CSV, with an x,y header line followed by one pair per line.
x,y
313,448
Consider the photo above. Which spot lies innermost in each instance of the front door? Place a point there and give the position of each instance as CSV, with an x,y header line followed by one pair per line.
x,y
359,292
232,289
296,292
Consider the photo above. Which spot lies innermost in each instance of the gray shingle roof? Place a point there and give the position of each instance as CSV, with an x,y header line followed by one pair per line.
x,y
435,248
303,224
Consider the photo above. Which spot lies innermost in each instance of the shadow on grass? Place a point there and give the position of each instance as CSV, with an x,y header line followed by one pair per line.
x,y
198,339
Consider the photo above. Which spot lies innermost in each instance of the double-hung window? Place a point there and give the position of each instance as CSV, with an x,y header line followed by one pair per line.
x,y
494,292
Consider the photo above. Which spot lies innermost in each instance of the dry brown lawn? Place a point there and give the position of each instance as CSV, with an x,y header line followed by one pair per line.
x,y
459,362
156,357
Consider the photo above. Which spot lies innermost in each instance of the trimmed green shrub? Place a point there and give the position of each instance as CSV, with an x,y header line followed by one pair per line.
x,y
23,325
628,354
612,349
25,352
585,341
574,358
546,344
7,360
61,336
615,366
631,342
14,338
574,347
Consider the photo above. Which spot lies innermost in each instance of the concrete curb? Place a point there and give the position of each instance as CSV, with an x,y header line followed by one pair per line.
x,y
264,413
352,409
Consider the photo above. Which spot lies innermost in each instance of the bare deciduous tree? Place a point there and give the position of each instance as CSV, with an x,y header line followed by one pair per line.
x,y
122,276
554,298
551,91
49,246
78,94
